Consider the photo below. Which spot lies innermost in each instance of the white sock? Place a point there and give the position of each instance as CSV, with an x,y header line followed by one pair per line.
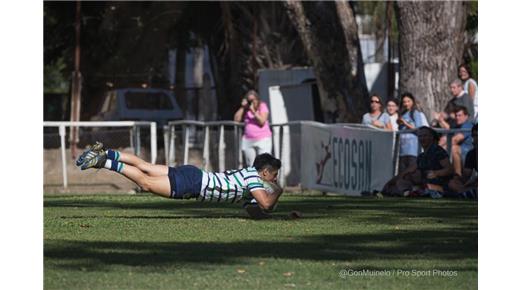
x,y
108,164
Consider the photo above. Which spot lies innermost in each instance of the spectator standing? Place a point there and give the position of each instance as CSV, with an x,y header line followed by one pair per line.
x,y
392,109
460,98
257,133
410,118
470,86
376,117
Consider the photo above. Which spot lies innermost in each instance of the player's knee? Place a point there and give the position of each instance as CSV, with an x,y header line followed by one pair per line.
x,y
145,183
144,167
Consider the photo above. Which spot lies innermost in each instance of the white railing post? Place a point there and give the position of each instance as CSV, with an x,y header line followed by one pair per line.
x,y
240,158
166,138
396,150
132,145
63,160
205,150
221,150
153,141
282,152
171,155
137,140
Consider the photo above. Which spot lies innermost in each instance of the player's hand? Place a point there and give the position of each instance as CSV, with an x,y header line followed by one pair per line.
x,y
431,175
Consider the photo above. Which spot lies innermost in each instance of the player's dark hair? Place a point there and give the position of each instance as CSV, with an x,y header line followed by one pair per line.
x,y
266,160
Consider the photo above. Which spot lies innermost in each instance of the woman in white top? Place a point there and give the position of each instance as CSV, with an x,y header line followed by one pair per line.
x,y
392,108
376,117
470,85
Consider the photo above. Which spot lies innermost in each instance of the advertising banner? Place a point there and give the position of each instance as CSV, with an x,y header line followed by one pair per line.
x,y
345,159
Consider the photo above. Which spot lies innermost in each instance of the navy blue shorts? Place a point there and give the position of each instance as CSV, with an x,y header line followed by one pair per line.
x,y
185,181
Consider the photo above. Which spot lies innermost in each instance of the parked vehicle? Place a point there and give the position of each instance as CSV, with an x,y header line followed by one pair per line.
x,y
137,104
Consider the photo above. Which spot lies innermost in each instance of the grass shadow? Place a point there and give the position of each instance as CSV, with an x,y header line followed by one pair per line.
x,y
99,255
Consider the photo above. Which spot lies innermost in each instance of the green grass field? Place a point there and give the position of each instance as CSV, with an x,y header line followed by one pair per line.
x,y
147,242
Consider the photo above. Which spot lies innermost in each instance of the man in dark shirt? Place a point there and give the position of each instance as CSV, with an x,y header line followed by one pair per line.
x,y
430,161
431,173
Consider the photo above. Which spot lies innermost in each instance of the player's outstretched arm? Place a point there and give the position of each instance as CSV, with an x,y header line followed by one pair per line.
x,y
265,199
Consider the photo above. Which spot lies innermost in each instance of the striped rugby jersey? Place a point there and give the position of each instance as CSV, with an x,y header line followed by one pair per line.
x,y
230,186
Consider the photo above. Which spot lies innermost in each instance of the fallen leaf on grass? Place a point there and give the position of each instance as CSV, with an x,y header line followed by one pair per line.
x,y
241,271
288,274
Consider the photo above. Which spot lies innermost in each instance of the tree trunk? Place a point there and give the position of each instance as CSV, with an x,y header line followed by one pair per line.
x,y
228,63
329,36
431,40
356,82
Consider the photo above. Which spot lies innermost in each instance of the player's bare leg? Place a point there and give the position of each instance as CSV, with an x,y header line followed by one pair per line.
x,y
159,185
146,167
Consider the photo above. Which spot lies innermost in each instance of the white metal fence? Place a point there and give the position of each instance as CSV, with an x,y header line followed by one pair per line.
x,y
224,140
121,134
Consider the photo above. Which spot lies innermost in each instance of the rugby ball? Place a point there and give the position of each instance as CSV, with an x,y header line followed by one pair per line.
x,y
272,187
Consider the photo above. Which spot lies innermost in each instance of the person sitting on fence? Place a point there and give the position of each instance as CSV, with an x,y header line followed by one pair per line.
x,y
466,186
461,142
429,176
187,181
410,118
377,116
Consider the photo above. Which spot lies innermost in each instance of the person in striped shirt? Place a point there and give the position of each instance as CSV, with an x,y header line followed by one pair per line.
x,y
187,181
